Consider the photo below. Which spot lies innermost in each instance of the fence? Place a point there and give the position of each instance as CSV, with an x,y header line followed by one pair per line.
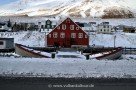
x,y
127,50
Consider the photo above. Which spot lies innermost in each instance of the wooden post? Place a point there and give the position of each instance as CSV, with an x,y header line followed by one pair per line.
x,y
114,40
125,50
87,57
53,55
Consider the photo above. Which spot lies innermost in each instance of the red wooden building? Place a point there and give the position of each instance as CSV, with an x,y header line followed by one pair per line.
x,y
66,34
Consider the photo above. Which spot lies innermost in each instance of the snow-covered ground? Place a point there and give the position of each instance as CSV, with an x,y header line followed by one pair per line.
x,y
28,38
122,40
37,39
42,67
76,67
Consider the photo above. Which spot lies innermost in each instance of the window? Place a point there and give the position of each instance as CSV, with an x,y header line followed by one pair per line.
x,y
48,26
58,27
49,35
77,28
63,26
1,43
71,27
85,36
73,35
80,35
62,35
42,26
55,34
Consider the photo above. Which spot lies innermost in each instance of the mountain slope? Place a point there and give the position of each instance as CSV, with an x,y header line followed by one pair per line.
x,y
75,8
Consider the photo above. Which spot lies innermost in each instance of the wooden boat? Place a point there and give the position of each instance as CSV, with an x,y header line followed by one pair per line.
x,y
112,54
25,51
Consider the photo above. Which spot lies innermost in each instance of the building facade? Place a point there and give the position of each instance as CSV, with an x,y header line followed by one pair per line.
x,y
67,34
87,27
129,29
3,27
6,43
105,28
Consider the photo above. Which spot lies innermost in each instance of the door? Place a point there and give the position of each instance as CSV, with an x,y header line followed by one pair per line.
x,y
67,42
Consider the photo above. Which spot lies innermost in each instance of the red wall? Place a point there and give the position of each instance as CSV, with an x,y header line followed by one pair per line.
x,y
67,41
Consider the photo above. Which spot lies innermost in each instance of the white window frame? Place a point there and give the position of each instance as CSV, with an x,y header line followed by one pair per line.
x,y
72,27
55,34
64,26
85,36
73,35
80,35
48,26
62,35
77,28
49,35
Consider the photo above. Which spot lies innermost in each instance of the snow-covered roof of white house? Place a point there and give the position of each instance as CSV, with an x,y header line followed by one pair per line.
x,y
129,27
2,23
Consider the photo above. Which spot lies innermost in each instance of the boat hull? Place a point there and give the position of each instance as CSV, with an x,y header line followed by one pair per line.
x,y
112,55
22,51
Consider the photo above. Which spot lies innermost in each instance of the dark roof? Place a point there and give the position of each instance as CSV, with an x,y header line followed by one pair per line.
x,y
105,23
129,27
92,22
1,23
6,38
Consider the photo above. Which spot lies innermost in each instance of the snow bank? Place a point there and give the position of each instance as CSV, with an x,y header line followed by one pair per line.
x,y
42,67
107,40
28,38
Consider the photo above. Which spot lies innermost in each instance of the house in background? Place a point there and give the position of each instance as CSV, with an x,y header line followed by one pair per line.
x,y
46,26
88,27
105,28
129,29
67,34
39,26
49,26
3,27
31,26
119,28
6,43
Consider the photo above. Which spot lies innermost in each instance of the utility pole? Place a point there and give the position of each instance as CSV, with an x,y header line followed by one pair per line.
x,y
114,40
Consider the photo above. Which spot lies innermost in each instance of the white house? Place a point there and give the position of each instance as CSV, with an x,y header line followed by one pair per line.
x,y
3,27
46,26
6,43
87,27
105,28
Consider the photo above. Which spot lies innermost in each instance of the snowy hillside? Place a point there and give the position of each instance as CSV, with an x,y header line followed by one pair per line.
x,y
74,8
